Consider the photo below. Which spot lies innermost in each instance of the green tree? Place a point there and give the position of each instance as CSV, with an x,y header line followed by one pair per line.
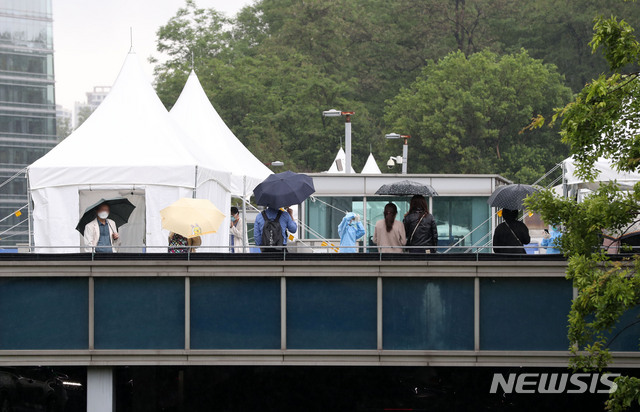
x,y
83,115
63,127
602,121
465,115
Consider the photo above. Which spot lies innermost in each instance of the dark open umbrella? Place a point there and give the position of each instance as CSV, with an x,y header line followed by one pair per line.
x,y
511,196
406,188
284,189
120,211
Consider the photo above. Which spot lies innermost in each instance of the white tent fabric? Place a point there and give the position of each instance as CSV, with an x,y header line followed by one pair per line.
x,y
371,167
221,148
607,172
341,158
128,143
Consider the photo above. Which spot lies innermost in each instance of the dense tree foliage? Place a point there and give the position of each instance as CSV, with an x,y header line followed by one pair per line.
x,y
465,115
273,68
602,121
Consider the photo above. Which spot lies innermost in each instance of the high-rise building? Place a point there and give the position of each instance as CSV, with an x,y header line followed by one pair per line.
x,y
27,104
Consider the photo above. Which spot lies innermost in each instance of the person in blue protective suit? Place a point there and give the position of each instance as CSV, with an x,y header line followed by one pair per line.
x,y
552,240
350,230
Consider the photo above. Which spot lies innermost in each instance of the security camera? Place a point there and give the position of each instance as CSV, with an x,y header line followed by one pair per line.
x,y
391,163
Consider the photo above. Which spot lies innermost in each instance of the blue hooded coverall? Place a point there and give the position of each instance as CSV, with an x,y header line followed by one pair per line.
x,y
349,231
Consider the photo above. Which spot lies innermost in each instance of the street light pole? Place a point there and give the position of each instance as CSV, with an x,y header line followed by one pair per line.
x,y
405,154
347,134
347,143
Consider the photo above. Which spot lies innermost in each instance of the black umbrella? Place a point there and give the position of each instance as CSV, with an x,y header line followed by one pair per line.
x,y
284,189
406,188
511,196
120,210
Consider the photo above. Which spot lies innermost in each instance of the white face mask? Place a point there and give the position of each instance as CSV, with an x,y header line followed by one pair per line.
x,y
103,215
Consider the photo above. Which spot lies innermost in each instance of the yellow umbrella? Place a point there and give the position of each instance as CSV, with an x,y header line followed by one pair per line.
x,y
192,217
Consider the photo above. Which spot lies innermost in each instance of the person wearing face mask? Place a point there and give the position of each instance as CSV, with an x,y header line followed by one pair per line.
x,y
102,232
350,230
235,235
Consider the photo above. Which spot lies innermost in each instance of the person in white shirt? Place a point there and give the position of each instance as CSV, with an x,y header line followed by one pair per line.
x,y
236,228
102,232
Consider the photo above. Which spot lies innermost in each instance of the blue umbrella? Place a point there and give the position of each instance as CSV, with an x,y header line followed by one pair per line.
x,y
284,189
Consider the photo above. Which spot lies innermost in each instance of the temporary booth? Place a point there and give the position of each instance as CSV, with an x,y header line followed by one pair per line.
x,y
129,147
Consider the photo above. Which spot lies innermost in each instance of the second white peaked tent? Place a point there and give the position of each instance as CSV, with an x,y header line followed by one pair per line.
x,y
371,167
198,118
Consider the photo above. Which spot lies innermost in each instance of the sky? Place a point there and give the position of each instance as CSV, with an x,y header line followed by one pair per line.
x,y
91,39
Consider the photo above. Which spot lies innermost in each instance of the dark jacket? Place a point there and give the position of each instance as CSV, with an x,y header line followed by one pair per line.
x,y
425,235
505,235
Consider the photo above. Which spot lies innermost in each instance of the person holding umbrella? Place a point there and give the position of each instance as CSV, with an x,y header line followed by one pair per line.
x,y
101,233
420,227
277,192
187,220
270,229
511,235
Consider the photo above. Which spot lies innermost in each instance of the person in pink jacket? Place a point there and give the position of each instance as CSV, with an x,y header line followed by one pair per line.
x,y
389,233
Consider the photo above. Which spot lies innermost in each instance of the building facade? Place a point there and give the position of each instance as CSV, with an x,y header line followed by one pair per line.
x,y
94,98
27,104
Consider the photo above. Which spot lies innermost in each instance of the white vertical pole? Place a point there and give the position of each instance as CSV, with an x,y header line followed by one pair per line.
x,y
245,234
347,144
405,154
100,389
30,213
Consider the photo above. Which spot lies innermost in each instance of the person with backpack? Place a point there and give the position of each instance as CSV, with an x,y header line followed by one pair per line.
x,y
511,233
270,229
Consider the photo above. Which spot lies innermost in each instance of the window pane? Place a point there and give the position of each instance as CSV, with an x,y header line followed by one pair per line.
x,y
331,313
427,314
141,313
44,313
524,314
235,313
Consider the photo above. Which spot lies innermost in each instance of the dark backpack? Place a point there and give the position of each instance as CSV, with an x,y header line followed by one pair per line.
x,y
272,231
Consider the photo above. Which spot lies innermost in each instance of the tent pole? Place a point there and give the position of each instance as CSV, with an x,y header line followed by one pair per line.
x,y
245,240
195,183
30,212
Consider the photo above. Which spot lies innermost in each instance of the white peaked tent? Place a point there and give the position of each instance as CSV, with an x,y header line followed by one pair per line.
x,y
340,159
128,147
222,149
371,167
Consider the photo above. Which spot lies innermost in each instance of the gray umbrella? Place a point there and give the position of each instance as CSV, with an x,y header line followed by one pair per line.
x,y
406,188
511,196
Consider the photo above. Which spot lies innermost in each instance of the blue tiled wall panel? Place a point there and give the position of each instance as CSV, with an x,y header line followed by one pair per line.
x,y
524,314
331,313
44,313
139,313
235,313
427,314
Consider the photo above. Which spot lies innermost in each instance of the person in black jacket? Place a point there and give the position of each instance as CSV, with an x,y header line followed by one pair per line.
x,y
511,232
420,226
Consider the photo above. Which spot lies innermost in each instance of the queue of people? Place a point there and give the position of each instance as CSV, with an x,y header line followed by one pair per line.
x,y
416,233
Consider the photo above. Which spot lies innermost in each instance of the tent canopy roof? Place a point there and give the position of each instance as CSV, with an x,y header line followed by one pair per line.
x,y
607,172
341,156
199,119
371,167
129,139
